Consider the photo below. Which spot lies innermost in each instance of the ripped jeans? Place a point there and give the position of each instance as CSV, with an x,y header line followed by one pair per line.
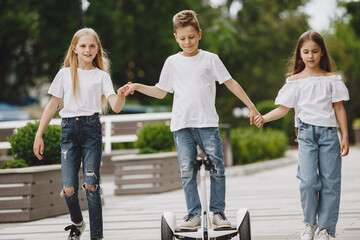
x,y
81,141
209,141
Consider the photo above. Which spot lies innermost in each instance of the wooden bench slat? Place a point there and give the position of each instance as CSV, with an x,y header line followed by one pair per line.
x,y
15,204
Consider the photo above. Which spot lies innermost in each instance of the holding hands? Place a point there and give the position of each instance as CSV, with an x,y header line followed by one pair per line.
x,y
259,121
121,92
252,114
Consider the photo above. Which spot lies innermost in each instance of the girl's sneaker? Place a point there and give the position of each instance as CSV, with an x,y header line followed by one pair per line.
x,y
324,235
308,233
75,231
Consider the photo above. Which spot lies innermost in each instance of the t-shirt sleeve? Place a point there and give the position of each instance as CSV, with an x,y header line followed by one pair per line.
x,y
57,87
287,95
165,82
339,92
219,70
107,86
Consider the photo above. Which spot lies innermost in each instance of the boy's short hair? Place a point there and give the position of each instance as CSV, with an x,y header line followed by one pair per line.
x,y
186,18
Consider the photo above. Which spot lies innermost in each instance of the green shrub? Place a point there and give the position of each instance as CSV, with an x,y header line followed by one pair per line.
x,y
155,137
17,163
356,123
251,144
22,142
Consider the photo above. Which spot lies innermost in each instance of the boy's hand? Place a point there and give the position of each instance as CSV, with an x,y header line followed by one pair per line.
x,y
259,121
344,150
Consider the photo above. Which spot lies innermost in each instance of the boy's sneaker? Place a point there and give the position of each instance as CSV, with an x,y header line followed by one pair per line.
x,y
220,220
75,231
308,232
191,221
323,235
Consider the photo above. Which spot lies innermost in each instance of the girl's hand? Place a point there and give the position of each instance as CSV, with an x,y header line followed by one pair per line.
x,y
252,114
259,121
131,89
38,147
344,150
121,91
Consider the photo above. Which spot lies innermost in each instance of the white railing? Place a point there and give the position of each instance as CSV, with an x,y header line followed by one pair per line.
x,y
107,121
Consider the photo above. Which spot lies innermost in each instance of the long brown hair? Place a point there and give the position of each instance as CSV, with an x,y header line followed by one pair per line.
x,y
296,64
101,60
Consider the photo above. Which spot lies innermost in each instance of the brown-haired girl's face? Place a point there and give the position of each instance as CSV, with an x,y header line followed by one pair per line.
x,y
310,53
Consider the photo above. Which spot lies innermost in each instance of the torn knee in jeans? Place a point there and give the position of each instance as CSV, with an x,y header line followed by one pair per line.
x,y
67,191
92,188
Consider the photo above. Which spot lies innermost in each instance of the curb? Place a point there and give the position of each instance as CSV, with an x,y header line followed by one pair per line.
x,y
243,170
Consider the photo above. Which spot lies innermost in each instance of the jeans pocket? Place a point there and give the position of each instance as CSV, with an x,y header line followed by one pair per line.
x,y
303,126
332,129
64,122
94,122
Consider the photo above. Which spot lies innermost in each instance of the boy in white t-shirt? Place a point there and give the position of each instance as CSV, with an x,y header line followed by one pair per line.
x,y
190,75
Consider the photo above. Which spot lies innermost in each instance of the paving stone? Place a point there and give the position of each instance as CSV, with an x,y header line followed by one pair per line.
x,y
270,190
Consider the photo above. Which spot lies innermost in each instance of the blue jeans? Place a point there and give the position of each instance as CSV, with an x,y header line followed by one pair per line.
x,y
320,173
81,141
210,143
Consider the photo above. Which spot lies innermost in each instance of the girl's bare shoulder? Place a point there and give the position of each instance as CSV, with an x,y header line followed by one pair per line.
x,y
296,76
303,75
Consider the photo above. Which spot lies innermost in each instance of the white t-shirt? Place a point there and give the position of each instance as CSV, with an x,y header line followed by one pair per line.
x,y
92,85
192,80
313,98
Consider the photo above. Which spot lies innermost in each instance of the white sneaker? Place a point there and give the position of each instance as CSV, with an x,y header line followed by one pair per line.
x,y
323,235
308,232
220,220
191,221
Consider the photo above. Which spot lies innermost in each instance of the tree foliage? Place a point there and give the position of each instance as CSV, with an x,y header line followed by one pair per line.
x,y
344,45
33,38
138,35
254,44
265,34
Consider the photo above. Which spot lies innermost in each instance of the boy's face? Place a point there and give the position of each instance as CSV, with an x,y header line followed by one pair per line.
x,y
188,39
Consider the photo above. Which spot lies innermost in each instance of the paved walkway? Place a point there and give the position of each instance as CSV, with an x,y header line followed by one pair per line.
x,y
269,190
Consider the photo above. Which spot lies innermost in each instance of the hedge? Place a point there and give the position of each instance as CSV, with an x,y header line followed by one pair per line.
x,y
22,142
155,137
252,144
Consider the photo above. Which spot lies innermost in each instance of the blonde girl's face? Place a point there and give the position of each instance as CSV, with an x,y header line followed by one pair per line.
x,y
310,53
86,50
188,39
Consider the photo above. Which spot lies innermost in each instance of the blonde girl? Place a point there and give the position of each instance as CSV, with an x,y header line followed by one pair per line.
x,y
82,83
316,93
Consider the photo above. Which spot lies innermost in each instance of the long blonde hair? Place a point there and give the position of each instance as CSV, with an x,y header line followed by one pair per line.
x,y
100,61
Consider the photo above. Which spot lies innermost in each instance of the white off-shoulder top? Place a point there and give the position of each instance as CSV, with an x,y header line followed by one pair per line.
x,y
312,98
